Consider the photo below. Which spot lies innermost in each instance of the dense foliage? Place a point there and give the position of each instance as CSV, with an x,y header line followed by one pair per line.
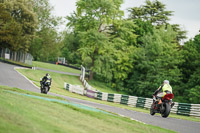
x,y
133,54
17,24
47,42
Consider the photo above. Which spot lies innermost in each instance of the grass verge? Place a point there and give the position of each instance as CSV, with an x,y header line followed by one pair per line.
x,y
57,79
57,87
55,67
25,114
95,84
104,88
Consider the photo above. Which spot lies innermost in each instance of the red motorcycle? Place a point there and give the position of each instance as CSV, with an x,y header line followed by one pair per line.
x,y
163,106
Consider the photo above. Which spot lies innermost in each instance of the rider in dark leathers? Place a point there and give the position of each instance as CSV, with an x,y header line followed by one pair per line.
x,y
47,78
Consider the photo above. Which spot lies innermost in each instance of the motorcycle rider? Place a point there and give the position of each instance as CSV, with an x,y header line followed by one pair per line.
x,y
46,79
164,89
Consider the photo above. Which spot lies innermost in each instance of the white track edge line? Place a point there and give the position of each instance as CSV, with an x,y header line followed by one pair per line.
x,y
25,76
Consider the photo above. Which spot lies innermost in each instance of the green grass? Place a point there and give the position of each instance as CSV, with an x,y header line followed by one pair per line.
x,y
57,79
25,114
58,87
95,84
104,88
55,67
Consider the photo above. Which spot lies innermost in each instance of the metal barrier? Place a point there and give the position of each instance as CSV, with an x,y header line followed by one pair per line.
x,y
91,93
17,56
124,99
110,97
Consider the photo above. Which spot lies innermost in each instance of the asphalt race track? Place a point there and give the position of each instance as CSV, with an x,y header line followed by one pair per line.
x,y
10,77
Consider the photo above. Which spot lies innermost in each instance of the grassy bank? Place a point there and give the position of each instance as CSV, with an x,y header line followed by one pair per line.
x,y
55,67
104,88
57,79
25,114
95,84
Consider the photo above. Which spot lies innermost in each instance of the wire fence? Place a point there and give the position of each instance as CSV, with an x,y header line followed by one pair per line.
x,y
17,56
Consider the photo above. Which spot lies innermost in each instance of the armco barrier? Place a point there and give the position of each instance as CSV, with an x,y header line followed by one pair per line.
x,y
195,110
148,103
184,109
124,99
132,101
175,108
104,96
140,102
78,90
99,95
110,97
91,93
117,98
74,88
67,86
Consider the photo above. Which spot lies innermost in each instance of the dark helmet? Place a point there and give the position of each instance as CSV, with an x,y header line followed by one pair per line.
x,y
47,74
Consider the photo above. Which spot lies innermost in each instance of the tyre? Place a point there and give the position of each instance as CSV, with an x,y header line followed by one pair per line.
x,y
166,112
42,90
152,110
46,89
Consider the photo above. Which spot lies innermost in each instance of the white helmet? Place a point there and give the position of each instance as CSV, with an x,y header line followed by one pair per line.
x,y
166,81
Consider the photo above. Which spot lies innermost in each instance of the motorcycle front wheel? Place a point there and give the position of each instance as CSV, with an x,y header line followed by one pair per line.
x,y
46,89
152,110
42,90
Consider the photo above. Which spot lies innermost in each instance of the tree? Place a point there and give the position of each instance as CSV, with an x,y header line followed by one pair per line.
x,y
70,47
46,45
141,29
156,61
124,30
190,50
92,45
18,23
191,69
153,11
90,22
47,42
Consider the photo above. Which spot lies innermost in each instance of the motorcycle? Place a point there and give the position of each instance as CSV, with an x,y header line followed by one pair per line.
x,y
45,87
163,106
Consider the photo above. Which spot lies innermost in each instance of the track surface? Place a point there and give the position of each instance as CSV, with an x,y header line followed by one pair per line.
x,y
9,77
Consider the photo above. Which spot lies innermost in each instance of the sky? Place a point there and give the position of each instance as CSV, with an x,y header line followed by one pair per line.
x,y
186,12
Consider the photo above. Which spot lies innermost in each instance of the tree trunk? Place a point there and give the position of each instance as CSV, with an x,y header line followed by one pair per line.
x,y
91,75
91,71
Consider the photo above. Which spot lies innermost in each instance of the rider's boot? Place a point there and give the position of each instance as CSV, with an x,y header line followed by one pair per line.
x,y
172,103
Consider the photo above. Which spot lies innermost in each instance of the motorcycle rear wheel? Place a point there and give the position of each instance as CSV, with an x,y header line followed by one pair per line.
x,y
166,113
